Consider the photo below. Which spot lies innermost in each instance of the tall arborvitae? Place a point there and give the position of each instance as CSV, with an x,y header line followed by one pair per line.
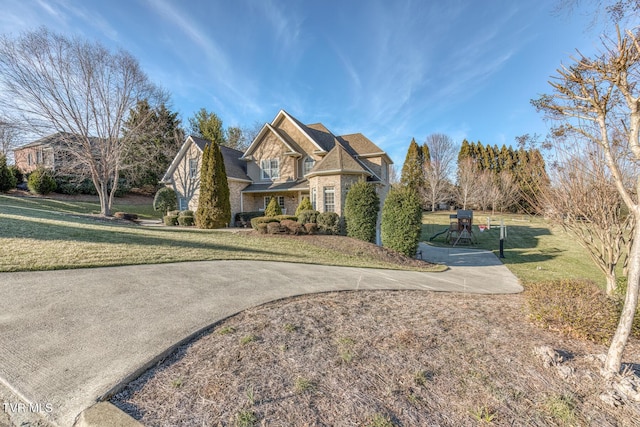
x,y
412,170
426,155
214,207
465,151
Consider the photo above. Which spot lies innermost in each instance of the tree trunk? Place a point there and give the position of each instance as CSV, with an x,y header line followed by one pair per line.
x,y
614,357
612,284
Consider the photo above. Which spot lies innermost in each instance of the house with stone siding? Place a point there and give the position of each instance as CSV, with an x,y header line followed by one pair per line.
x,y
287,160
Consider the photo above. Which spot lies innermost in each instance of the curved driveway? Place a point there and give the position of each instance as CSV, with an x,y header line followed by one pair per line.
x,y
70,337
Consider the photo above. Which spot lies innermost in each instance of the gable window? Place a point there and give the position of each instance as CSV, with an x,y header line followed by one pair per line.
x,y
314,197
267,199
193,168
329,199
308,165
270,168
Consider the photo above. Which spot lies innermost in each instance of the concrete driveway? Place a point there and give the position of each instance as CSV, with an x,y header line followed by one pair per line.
x,y
69,338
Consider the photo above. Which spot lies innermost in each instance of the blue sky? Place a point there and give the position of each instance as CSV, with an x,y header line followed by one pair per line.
x,y
390,69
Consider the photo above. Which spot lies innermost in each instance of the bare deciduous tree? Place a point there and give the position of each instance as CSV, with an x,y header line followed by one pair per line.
x,y
9,136
79,88
585,202
598,100
467,183
437,171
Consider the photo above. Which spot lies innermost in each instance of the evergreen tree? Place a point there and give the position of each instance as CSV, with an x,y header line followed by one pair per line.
x,y
465,151
7,178
214,207
207,125
412,174
273,208
305,205
426,155
156,136
361,211
401,221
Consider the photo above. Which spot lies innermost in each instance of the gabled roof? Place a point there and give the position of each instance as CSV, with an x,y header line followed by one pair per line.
x,y
338,161
58,138
233,165
268,128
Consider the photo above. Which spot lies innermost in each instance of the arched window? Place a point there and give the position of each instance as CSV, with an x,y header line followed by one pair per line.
x,y
308,165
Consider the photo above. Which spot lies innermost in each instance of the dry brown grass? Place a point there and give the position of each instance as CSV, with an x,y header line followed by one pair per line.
x,y
376,358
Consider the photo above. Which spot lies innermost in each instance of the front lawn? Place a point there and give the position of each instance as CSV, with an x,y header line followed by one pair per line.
x,y
46,234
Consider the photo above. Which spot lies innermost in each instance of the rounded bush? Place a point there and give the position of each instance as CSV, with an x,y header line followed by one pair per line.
x,y
262,220
289,217
17,173
186,213
292,227
329,222
41,181
401,221
185,221
127,216
306,217
262,228
311,228
170,219
165,200
274,228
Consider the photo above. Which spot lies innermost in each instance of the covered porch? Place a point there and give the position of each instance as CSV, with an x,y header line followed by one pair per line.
x,y
256,197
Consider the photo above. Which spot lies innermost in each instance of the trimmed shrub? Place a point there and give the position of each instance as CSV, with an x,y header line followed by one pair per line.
x,y
185,221
165,200
361,211
68,184
262,220
262,228
311,228
329,223
7,178
305,205
17,173
273,208
170,219
306,217
275,228
401,221
578,308
186,213
41,181
173,213
293,227
289,217
243,219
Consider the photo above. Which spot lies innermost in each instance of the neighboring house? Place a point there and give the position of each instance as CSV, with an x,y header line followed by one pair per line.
x,y
42,152
287,160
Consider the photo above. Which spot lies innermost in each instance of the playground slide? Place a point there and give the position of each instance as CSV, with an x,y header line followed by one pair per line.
x,y
438,234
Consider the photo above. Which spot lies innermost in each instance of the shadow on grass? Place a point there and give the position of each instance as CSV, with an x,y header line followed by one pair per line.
x,y
521,245
27,228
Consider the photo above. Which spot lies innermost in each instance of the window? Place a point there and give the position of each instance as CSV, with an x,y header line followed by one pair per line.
x,y
39,157
267,199
193,168
314,197
329,199
29,159
308,165
183,204
270,168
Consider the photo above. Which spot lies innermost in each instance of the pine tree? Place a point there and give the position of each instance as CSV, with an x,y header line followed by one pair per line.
x,y
412,171
465,151
214,207
426,155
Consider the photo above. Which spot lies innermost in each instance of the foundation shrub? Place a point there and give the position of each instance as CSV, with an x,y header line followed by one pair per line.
x,y
262,220
308,216
329,223
292,227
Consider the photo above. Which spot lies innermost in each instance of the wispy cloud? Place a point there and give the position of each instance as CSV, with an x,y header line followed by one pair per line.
x,y
216,59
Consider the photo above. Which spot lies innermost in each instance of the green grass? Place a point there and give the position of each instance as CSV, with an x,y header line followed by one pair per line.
x,y
46,234
534,250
